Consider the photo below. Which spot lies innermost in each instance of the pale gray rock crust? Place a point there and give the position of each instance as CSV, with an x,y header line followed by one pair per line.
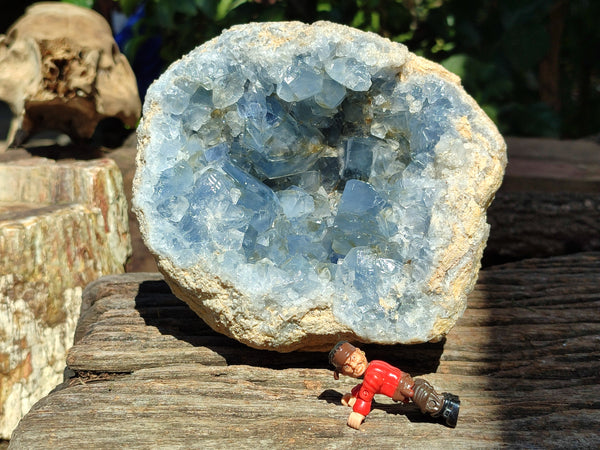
x,y
299,184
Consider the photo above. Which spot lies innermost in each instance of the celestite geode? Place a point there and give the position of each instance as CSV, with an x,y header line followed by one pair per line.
x,y
299,184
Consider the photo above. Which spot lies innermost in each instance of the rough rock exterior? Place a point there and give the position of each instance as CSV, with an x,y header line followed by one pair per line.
x,y
62,225
300,184
61,69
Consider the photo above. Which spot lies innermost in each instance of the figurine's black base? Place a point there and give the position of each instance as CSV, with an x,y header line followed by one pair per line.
x,y
450,408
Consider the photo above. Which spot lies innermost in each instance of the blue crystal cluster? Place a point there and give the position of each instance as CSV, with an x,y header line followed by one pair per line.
x,y
304,177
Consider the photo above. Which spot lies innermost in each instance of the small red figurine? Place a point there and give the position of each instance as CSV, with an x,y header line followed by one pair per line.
x,y
380,377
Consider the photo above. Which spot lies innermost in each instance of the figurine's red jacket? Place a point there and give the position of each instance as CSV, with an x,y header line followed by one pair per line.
x,y
379,378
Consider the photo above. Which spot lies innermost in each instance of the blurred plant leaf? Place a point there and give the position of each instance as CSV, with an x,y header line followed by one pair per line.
x,y
224,7
128,6
208,7
456,64
83,3
187,7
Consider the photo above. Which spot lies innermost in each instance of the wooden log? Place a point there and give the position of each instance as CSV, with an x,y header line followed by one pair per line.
x,y
533,224
551,165
549,201
524,359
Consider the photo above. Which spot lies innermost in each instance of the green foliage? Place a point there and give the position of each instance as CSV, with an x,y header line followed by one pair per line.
x,y
185,24
84,3
502,50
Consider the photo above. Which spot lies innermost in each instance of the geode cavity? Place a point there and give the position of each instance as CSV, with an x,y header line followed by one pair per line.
x,y
299,184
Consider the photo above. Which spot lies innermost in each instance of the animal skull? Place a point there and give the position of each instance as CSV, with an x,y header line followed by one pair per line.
x,y
61,69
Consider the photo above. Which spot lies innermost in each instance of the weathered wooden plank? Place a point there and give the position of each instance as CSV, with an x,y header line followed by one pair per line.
x,y
541,224
551,165
195,406
525,360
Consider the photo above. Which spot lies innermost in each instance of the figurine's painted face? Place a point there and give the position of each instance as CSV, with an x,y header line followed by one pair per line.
x,y
355,365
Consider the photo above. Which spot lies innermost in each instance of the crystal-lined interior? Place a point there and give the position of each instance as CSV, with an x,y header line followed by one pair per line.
x,y
313,179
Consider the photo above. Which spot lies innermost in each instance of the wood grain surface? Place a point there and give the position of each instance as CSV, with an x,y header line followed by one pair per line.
x,y
145,372
542,224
